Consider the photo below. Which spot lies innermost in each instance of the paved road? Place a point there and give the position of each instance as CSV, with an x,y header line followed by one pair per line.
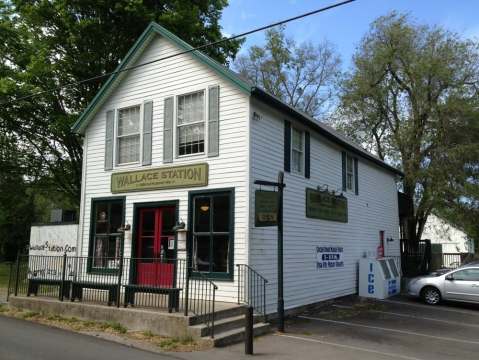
x,y
397,330
24,340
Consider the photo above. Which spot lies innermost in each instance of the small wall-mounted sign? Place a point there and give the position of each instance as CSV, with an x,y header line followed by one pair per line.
x,y
326,205
266,208
328,257
160,178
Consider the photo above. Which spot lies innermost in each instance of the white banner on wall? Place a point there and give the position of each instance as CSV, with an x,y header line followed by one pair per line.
x,y
329,257
52,241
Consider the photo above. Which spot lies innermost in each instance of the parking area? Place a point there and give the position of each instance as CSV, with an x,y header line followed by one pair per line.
x,y
398,328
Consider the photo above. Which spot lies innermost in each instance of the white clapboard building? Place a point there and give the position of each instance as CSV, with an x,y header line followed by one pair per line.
x,y
184,139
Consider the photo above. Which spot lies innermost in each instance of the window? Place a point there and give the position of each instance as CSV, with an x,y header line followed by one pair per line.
x,y
349,172
105,243
213,233
191,123
128,135
467,275
297,150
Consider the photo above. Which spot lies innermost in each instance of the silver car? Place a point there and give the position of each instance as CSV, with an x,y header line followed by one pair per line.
x,y
461,284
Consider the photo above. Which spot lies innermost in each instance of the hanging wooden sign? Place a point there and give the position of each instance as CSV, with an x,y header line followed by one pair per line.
x,y
325,205
266,208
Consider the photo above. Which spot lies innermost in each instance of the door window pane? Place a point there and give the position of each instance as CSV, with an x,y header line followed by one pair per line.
x,y
467,275
148,223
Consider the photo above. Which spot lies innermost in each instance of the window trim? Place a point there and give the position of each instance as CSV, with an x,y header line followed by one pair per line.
x,y
302,152
176,126
116,150
228,276
90,268
353,175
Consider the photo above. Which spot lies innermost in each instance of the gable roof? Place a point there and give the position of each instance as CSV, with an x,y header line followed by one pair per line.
x,y
154,29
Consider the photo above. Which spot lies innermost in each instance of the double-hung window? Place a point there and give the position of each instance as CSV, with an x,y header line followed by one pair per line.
x,y
349,172
105,243
213,233
128,135
297,151
191,123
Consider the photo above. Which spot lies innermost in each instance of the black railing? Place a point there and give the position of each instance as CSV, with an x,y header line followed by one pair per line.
x,y
251,288
200,299
142,282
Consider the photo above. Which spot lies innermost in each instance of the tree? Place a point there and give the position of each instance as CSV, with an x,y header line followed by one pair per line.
x,y
302,75
412,97
47,44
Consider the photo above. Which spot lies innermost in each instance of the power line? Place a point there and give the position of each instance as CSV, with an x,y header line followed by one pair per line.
x,y
204,46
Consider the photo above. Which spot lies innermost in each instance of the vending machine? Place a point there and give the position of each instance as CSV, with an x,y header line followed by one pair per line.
x,y
379,278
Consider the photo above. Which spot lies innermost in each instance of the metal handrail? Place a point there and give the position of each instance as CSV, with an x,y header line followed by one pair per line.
x,y
254,271
252,288
206,309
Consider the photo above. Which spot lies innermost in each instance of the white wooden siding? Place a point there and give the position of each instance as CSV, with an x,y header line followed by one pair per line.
x,y
230,169
374,209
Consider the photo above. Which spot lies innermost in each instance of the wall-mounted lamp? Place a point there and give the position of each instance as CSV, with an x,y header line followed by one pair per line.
x,y
180,229
256,116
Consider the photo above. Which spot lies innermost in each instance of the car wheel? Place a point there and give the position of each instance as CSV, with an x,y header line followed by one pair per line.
x,y
431,296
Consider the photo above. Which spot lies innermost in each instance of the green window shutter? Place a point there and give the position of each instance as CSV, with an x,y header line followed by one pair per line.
x,y
287,146
109,138
147,132
356,178
307,155
343,161
168,130
213,121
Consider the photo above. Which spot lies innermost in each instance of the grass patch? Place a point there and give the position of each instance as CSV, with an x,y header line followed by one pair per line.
x,y
183,343
4,274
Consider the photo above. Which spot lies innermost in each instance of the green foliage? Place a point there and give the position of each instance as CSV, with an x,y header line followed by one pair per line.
x,y
4,274
412,98
302,75
46,44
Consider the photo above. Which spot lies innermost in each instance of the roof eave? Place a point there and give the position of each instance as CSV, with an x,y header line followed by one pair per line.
x,y
270,99
153,28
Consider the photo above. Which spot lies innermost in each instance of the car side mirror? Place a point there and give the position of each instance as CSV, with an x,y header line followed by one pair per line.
x,y
449,278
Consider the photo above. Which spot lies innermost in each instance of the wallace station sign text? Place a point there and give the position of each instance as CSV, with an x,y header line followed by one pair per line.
x,y
160,178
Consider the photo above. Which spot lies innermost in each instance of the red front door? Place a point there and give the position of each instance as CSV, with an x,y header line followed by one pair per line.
x,y
155,265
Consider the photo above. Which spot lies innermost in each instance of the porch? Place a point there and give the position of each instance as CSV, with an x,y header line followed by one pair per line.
x,y
167,300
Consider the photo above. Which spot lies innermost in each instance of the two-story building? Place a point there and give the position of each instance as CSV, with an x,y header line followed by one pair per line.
x,y
183,139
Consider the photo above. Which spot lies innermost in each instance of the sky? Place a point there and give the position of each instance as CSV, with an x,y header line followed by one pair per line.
x,y
346,25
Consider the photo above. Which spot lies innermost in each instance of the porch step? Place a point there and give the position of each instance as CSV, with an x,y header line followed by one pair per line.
x,y
219,315
223,325
234,336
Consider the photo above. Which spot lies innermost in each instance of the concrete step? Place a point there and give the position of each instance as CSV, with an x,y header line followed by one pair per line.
x,y
219,315
222,325
234,336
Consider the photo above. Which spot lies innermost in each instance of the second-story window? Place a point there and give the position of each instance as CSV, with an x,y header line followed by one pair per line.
x,y
349,172
128,135
297,151
191,123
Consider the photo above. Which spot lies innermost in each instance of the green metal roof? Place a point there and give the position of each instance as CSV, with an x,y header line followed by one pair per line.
x,y
133,54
